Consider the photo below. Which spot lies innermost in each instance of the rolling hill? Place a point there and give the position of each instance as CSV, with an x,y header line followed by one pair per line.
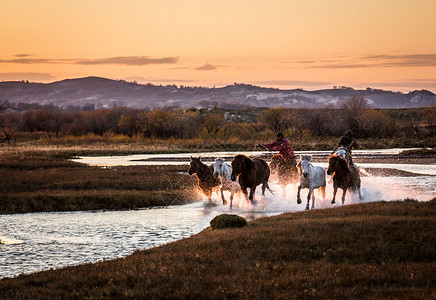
x,y
107,93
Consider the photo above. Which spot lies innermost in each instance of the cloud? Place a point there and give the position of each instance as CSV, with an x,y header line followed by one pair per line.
x,y
31,76
206,67
27,61
408,83
373,61
127,60
22,55
117,60
413,60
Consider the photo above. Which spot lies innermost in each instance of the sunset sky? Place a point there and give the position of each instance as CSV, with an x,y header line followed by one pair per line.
x,y
313,44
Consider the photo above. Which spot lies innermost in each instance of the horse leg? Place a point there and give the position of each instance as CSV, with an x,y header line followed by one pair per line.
x,y
313,199
308,197
343,195
298,195
335,189
231,197
244,191
323,192
222,196
251,197
208,194
360,195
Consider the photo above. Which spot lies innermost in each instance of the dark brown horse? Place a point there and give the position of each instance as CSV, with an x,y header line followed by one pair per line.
x,y
285,170
345,176
250,173
206,180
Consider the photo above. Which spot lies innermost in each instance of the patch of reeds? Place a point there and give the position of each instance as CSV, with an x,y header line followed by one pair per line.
x,y
111,144
48,181
430,152
373,251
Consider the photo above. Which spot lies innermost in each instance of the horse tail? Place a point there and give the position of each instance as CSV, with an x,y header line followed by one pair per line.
x,y
269,189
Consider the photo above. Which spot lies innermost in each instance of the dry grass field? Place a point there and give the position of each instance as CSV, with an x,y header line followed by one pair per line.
x,y
45,180
381,250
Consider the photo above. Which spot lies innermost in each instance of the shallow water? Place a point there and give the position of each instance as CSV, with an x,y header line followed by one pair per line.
x,y
35,242
184,158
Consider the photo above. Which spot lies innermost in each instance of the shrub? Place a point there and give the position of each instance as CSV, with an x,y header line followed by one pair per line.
x,y
227,221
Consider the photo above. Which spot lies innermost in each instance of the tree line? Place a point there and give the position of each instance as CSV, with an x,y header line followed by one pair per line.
x,y
219,123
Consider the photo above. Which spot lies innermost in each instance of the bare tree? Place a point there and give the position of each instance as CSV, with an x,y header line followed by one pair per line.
x,y
277,119
353,109
9,125
430,118
4,105
415,122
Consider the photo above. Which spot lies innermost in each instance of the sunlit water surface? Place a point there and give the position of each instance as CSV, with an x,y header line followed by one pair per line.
x,y
35,242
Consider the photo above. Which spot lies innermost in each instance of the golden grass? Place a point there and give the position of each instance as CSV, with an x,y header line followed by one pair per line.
x,y
36,181
380,250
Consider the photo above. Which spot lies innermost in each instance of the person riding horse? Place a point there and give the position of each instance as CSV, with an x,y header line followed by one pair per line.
x,y
347,141
281,144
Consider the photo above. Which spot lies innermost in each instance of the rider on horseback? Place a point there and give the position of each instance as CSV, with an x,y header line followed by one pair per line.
x,y
347,141
282,145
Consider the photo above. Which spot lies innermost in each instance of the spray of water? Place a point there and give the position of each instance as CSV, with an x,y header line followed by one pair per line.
x,y
373,188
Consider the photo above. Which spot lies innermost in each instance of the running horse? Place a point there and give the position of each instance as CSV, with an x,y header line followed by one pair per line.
x,y
311,177
250,174
345,176
224,171
206,180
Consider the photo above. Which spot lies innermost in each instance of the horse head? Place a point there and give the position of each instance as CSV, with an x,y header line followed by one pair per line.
x,y
337,163
240,164
304,165
218,167
195,165
341,152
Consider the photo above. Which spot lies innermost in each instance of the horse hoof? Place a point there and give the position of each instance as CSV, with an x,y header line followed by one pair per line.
x,y
307,208
333,202
224,202
298,201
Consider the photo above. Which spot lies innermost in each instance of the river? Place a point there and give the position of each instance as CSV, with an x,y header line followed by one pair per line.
x,y
40,241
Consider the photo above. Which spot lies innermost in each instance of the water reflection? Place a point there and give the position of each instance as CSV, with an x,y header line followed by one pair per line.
x,y
42,241
35,242
183,158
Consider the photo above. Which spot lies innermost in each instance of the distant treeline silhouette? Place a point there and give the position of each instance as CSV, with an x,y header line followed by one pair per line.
x,y
217,123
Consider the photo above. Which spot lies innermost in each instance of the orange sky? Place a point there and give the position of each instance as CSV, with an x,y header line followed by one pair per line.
x,y
313,44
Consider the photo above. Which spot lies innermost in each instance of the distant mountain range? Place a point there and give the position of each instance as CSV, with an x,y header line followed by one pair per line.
x,y
107,93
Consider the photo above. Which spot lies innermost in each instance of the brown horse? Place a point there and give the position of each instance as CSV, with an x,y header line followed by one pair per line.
x,y
286,170
250,173
345,176
206,180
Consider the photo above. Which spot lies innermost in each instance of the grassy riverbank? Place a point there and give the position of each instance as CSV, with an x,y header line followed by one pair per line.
x,y
374,250
40,178
40,181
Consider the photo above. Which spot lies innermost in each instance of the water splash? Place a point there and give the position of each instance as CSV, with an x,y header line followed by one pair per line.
x,y
41,241
373,188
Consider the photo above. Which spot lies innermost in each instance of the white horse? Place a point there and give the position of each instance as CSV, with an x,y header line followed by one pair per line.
x,y
223,170
312,178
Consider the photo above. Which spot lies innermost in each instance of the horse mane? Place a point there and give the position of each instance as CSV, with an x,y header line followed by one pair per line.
x,y
248,163
203,167
334,155
306,157
219,159
342,160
